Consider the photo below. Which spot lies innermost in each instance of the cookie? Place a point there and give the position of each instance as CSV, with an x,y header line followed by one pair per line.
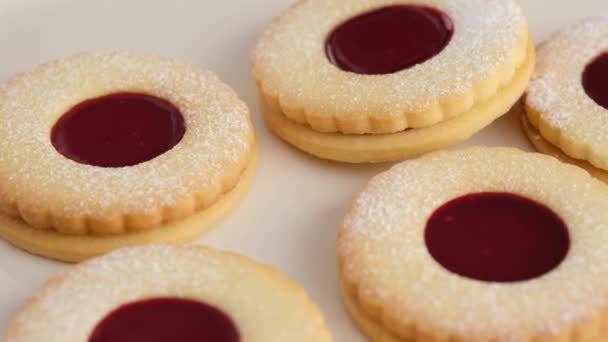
x,y
567,102
163,293
332,78
479,244
116,145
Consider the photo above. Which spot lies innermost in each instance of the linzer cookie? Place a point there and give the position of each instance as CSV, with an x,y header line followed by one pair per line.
x,y
163,293
99,151
567,101
480,244
377,80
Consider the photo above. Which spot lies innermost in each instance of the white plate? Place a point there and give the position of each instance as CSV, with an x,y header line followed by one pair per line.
x,y
291,215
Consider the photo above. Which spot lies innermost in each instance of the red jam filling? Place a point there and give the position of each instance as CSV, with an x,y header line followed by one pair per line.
x,y
497,237
166,319
118,130
389,39
595,80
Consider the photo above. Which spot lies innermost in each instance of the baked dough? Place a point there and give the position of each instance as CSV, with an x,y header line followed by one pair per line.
x,y
557,104
76,248
51,192
336,114
546,147
263,305
353,148
490,42
396,291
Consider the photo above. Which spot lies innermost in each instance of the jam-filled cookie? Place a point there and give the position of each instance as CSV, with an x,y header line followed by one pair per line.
x,y
163,293
567,102
376,80
480,244
99,151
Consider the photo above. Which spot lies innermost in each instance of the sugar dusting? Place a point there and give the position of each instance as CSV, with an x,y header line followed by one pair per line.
x,y
291,62
264,305
557,93
383,250
218,135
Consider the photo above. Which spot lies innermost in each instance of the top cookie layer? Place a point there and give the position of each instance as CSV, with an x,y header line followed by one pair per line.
x,y
264,305
557,102
291,67
47,189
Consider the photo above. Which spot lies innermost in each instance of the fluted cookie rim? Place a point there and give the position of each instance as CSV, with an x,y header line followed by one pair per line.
x,y
556,102
397,146
418,310
41,186
383,113
377,333
210,276
544,146
77,248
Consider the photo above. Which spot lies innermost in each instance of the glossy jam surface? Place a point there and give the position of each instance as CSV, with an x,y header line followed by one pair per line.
x,y
595,80
389,39
497,237
164,320
118,130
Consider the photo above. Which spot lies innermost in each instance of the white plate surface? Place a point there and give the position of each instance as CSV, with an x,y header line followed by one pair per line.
x,y
290,217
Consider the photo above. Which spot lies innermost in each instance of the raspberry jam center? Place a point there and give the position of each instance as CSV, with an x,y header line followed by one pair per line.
x,y
389,39
166,319
595,80
118,130
497,237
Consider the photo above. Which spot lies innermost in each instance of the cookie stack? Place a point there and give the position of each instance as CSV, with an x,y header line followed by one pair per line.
x,y
478,244
372,80
566,105
97,152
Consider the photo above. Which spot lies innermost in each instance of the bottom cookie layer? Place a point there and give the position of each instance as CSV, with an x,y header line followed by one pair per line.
x,y
544,146
377,333
397,146
71,248
370,328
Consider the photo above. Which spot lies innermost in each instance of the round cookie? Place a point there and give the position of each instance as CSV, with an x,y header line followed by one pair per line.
x,y
566,100
479,244
316,93
163,293
67,122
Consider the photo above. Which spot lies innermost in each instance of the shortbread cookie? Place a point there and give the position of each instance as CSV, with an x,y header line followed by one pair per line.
x,y
335,68
567,101
480,244
116,143
161,293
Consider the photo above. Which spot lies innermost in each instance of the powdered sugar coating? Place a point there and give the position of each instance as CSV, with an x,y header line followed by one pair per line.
x,y
384,256
289,62
214,150
263,304
564,113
